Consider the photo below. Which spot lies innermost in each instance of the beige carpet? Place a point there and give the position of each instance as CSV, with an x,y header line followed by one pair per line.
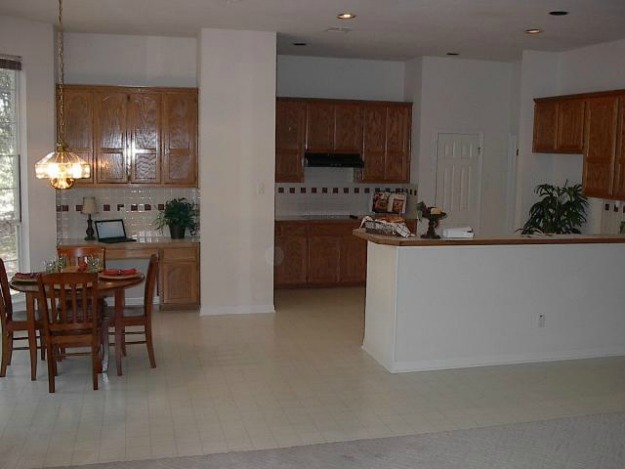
x,y
591,442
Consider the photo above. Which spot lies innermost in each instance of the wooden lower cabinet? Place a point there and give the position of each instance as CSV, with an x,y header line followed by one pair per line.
x,y
179,272
319,253
180,277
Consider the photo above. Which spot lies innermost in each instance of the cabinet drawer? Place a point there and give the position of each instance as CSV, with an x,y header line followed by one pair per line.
x,y
332,229
182,253
126,253
290,229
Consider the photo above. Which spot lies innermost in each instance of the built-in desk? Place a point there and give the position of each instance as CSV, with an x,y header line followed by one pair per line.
x,y
434,304
179,274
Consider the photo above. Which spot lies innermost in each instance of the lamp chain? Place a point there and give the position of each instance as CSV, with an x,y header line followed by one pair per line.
x,y
61,72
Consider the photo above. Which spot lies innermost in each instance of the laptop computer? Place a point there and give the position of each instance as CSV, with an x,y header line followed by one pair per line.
x,y
111,231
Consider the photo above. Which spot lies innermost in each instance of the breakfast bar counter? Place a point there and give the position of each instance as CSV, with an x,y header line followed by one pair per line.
x,y
436,304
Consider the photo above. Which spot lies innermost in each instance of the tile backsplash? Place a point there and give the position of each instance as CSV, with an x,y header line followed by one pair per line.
x,y
331,191
612,216
138,207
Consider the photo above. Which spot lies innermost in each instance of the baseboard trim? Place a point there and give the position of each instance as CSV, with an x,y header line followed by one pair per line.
x,y
207,310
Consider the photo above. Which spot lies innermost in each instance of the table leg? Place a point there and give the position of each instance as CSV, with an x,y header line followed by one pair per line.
x,y
119,309
32,334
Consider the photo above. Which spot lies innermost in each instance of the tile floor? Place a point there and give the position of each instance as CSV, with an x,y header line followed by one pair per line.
x,y
272,380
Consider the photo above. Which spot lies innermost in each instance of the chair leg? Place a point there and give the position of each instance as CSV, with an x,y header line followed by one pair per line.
x,y
10,348
124,341
51,369
95,360
5,354
42,347
148,343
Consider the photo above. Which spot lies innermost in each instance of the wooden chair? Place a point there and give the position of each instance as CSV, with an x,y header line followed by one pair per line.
x,y
76,254
13,322
140,316
70,319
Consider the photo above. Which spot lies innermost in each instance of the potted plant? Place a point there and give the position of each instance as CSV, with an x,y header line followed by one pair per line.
x,y
560,210
178,214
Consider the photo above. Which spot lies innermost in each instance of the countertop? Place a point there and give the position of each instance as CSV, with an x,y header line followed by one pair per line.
x,y
324,218
141,242
481,241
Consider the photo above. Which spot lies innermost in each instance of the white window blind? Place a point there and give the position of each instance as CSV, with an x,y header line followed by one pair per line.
x,y
10,209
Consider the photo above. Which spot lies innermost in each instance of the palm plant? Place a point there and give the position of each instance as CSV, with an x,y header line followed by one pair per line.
x,y
561,210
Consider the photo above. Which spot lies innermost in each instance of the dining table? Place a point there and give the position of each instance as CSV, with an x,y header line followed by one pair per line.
x,y
115,284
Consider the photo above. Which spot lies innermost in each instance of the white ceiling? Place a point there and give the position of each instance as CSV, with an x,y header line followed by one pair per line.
x,y
383,29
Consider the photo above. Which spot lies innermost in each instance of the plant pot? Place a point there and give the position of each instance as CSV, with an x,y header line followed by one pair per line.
x,y
177,231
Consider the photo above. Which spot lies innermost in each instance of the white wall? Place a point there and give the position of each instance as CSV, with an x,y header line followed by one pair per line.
x,y
237,162
105,59
412,92
34,41
322,77
468,96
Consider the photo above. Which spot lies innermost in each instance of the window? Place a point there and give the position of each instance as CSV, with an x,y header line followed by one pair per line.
x,y
10,213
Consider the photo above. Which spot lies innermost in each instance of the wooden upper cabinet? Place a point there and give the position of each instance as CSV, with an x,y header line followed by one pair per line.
x,y
600,145
134,135
111,165
386,138
618,188
180,111
290,140
398,127
559,125
79,125
333,127
348,128
320,127
144,143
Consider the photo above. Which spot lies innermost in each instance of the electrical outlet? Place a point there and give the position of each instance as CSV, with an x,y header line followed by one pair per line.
x,y
541,320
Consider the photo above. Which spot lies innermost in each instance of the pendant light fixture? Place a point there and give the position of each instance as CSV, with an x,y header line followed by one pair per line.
x,y
61,167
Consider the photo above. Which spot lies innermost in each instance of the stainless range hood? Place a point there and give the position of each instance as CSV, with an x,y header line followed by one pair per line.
x,y
334,160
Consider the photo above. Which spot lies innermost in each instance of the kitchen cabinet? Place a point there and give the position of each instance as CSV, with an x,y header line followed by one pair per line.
x,y
559,125
601,130
291,252
319,253
333,126
618,188
290,140
139,136
180,279
179,131
386,147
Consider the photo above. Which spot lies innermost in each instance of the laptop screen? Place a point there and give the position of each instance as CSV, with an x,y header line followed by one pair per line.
x,y
107,229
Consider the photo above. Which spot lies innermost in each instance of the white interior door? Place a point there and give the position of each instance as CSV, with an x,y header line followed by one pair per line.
x,y
458,176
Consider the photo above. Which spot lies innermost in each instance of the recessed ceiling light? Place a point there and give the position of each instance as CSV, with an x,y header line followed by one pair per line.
x,y
300,44
346,16
338,30
453,53
533,31
559,13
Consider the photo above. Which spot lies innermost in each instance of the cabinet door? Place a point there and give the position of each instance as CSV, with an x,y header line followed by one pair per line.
x,y
323,260
570,126
291,260
144,127
179,276
320,127
398,123
180,114
290,140
374,142
545,114
600,145
353,260
110,137
618,189
348,128
78,113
